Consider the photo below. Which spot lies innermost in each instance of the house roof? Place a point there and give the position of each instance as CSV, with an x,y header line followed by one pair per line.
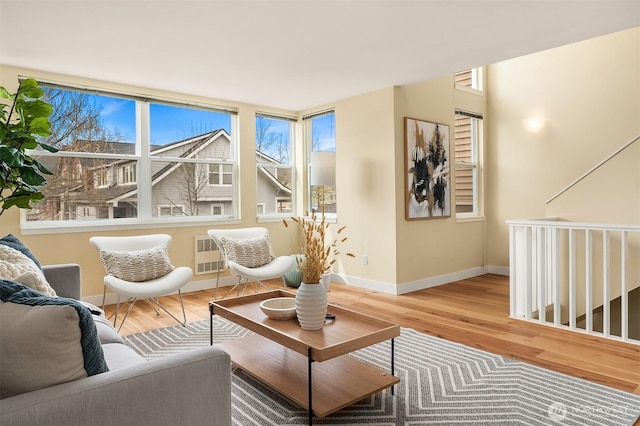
x,y
292,55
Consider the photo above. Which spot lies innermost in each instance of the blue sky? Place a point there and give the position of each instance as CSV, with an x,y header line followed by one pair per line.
x,y
173,123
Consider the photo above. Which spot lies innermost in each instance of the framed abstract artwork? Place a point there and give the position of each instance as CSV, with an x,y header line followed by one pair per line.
x,y
427,177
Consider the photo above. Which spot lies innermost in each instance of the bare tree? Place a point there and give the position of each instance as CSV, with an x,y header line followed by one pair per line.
x,y
76,120
193,182
270,142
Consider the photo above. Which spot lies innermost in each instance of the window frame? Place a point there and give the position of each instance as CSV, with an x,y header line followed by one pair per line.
x,y
330,217
477,80
142,160
290,166
475,165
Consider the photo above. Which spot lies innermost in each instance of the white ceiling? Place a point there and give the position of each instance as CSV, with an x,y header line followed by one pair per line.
x,y
290,54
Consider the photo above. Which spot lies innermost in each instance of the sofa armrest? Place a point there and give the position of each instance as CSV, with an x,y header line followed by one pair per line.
x,y
65,279
192,387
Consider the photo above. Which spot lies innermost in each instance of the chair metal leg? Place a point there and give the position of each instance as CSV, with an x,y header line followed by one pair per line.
x,y
133,302
184,315
104,295
115,314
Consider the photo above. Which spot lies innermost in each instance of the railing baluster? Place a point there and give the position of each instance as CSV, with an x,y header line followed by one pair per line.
x,y
513,288
589,281
572,279
624,294
557,307
527,290
538,277
606,323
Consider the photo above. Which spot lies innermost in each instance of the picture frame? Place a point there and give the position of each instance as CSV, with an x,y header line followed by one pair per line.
x,y
427,172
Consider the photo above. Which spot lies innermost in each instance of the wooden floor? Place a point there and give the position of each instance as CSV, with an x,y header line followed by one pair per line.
x,y
473,312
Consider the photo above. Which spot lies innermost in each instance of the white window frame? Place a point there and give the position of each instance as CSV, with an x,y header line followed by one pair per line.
x,y
308,136
217,206
291,166
477,81
179,207
143,160
220,174
474,165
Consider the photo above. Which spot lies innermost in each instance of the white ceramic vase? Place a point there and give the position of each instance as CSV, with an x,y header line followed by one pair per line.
x,y
311,306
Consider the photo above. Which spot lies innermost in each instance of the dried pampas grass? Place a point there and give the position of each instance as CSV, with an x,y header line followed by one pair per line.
x,y
318,256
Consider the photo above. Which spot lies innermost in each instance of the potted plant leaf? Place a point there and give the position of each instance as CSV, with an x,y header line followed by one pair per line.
x,y
23,119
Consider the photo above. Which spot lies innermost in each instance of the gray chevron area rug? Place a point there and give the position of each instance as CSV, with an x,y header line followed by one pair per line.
x,y
442,383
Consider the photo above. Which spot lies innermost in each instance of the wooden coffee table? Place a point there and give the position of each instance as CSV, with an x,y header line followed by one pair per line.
x,y
311,368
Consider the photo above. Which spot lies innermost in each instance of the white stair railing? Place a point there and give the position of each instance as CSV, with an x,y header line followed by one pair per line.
x,y
565,274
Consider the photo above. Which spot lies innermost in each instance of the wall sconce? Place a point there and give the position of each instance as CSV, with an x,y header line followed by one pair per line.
x,y
533,124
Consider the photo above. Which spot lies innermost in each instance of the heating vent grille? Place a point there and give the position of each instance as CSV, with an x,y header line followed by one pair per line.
x,y
207,256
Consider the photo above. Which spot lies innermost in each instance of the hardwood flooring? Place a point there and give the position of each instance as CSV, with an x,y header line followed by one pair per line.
x,y
474,312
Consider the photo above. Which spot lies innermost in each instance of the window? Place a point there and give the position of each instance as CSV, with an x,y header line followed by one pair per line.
x,y
128,173
139,160
220,174
321,137
468,141
471,79
165,210
274,162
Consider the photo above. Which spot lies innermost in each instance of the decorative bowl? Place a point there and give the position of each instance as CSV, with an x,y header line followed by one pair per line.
x,y
279,308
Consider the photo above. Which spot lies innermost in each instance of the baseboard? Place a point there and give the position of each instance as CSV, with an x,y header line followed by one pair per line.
x,y
112,298
421,284
498,270
359,282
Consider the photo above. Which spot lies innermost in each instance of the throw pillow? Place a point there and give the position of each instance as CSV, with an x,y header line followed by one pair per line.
x,y
249,252
14,265
44,341
12,241
137,266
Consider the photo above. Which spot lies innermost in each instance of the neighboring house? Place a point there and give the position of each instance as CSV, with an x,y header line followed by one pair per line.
x,y
99,188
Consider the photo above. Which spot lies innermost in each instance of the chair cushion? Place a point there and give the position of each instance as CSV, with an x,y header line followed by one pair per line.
x,y
44,341
16,266
137,265
249,252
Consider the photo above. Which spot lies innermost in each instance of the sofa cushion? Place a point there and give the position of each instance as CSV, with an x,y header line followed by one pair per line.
x,y
138,265
249,252
16,266
44,341
106,332
119,355
12,241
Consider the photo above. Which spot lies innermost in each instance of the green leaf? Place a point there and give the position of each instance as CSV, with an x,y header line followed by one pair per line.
x,y
22,202
30,89
37,108
4,93
41,167
48,147
10,156
40,126
30,176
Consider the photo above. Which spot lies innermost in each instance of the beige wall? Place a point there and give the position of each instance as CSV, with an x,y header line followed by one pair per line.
x,y
589,93
366,191
439,246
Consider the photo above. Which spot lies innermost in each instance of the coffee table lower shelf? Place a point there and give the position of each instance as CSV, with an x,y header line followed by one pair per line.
x,y
337,383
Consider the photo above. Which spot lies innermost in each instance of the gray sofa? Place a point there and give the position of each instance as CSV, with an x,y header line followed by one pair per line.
x,y
190,388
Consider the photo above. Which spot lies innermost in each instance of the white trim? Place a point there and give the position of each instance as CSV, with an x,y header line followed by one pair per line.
x,y
208,284
408,287
364,283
